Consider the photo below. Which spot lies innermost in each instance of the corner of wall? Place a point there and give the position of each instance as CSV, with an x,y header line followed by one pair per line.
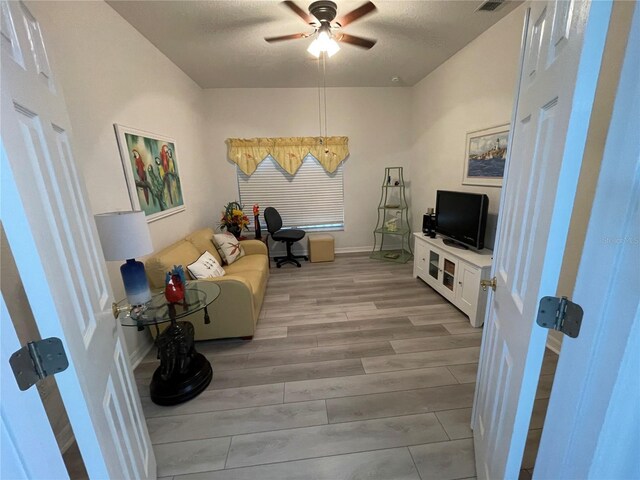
x,y
472,90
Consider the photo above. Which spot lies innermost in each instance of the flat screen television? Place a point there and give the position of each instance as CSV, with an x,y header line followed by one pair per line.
x,y
462,217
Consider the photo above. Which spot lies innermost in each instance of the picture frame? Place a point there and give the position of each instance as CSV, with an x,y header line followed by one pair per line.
x,y
485,156
150,164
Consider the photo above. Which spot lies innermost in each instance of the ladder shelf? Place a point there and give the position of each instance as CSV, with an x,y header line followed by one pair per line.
x,y
393,220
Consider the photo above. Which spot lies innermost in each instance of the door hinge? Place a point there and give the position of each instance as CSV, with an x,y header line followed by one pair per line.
x,y
493,283
38,360
560,314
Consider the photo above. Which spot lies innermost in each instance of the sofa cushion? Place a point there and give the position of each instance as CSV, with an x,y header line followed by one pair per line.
x,y
205,267
180,253
228,247
203,240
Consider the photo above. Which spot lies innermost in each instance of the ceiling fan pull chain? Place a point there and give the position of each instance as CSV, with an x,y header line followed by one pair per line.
x,y
319,105
324,81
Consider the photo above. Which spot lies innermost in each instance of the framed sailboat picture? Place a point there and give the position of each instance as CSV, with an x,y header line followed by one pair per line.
x,y
151,168
485,156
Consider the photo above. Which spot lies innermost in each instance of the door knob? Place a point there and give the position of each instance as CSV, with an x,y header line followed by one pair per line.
x,y
493,283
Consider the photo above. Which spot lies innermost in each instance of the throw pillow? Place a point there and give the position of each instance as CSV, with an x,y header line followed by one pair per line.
x,y
205,267
228,247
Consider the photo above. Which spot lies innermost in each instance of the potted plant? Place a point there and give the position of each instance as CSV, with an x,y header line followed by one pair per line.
x,y
233,219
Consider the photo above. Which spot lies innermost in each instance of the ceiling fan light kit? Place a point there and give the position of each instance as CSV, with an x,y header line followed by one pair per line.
x,y
324,42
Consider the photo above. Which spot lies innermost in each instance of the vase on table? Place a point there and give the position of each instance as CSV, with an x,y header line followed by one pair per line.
x,y
174,289
234,230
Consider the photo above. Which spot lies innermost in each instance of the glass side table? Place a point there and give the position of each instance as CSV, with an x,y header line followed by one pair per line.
x,y
183,373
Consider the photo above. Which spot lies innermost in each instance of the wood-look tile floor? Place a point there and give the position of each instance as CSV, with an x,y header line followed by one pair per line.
x,y
357,370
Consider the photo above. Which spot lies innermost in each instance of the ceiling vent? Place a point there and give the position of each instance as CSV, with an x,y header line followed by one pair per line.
x,y
490,5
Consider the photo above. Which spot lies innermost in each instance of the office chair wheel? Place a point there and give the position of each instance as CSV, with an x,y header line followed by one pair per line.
x,y
299,265
278,265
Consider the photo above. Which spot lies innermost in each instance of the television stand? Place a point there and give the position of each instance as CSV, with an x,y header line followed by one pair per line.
x,y
454,273
455,244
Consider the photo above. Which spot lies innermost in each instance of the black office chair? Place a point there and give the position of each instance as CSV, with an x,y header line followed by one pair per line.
x,y
288,236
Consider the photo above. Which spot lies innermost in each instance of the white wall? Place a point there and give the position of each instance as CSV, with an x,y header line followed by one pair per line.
x,y
472,90
376,120
111,74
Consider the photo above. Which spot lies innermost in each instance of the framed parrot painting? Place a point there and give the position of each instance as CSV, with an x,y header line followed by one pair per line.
x,y
151,168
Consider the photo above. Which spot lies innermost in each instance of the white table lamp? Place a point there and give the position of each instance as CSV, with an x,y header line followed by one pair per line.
x,y
124,236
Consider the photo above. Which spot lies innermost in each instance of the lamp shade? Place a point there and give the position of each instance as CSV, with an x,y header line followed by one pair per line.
x,y
123,235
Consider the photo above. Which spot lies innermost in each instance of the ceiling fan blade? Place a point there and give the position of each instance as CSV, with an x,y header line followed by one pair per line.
x,y
300,12
356,14
357,41
286,37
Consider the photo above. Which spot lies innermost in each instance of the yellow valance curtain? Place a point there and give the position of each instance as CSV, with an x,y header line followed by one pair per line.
x,y
288,152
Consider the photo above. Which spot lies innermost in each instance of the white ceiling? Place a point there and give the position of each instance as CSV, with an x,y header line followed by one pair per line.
x,y
221,43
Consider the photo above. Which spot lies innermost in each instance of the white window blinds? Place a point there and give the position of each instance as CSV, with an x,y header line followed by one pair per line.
x,y
312,198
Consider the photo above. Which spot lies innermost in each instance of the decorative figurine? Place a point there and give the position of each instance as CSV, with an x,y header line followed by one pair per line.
x,y
174,285
256,221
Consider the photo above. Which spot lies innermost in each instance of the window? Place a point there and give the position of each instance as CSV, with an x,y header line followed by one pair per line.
x,y
310,199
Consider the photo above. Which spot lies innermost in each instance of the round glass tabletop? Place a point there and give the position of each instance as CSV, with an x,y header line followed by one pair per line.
x,y
197,295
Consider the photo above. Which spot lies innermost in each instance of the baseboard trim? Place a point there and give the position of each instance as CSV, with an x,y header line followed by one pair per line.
x,y
136,357
354,249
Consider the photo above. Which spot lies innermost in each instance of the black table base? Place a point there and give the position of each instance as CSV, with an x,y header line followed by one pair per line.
x,y
183,373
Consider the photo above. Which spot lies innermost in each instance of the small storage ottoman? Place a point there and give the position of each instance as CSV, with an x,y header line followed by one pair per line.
x,y
321,247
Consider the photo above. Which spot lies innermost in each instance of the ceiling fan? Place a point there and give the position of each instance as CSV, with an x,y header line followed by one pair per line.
x,y
327,31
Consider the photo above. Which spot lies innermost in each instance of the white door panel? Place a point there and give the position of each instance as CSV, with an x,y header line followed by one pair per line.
x,y
468,283
52,235
420,260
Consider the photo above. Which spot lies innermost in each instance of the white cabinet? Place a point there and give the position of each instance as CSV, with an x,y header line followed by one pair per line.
x,y
454,273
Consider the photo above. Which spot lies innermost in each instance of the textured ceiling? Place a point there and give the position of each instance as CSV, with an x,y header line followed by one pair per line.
x,y
221,43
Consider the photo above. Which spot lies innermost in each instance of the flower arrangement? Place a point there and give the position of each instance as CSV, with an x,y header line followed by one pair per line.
x,y
233,218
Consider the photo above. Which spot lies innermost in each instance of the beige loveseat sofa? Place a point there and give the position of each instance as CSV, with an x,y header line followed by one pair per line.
x,y
235,312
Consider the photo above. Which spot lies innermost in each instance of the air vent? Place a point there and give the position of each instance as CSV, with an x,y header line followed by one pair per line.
x,y
490,5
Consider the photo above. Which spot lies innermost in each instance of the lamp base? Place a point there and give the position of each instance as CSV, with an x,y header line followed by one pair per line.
x,y
135,282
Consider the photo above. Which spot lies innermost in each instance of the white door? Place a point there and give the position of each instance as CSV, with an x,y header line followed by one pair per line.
x,y
562,52
28,448
53,239
592,427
